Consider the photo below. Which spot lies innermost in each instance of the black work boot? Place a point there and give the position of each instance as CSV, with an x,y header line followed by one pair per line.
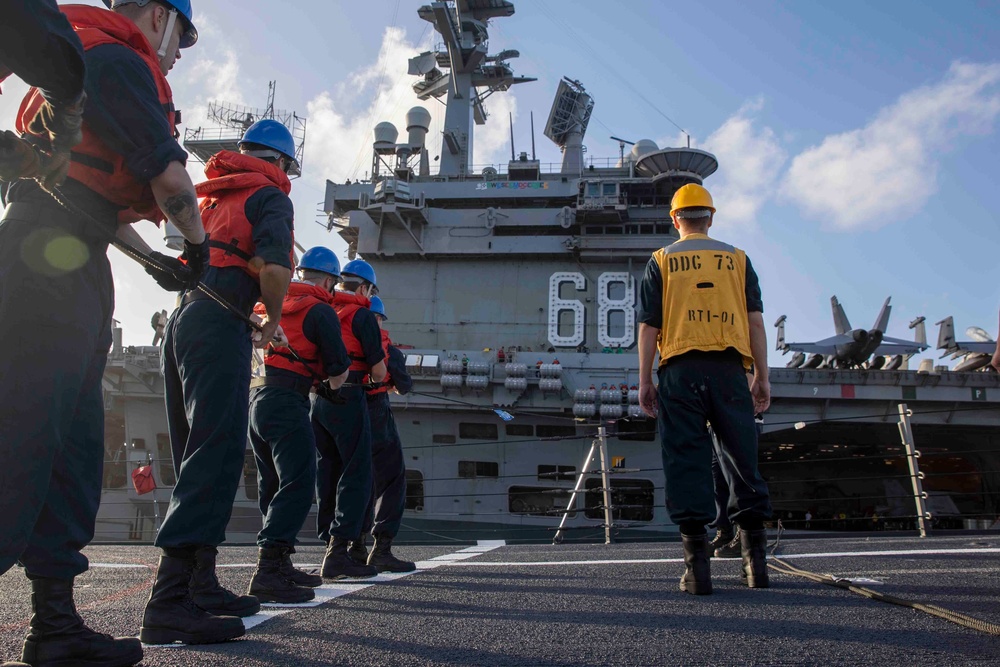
x,y
753,544
337,564
172,616
269,583
723,536
358,549
208,593
697,578
296,575
383,560
57,635
730,549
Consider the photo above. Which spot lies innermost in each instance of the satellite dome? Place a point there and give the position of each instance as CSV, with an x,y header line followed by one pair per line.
x,y
642,147
386,133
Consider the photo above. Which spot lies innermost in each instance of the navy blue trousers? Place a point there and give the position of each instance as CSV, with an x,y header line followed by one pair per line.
x,y
284,446
206,373
709,387
56,302
344,468
388,500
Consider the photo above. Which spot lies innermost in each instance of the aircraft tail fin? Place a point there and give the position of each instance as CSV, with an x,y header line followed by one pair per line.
x,y
946,334
780,342
920,333
882,321
840,321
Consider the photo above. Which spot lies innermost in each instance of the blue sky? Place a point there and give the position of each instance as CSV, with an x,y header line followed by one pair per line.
x,y
857,141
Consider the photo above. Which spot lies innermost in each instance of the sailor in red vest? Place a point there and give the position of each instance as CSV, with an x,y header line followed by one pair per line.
x,y
388,499
343,430
39,45
56,302
206,374
281,433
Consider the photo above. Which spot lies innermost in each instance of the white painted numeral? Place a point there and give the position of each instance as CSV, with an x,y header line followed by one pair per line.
x,y
557,305
607,305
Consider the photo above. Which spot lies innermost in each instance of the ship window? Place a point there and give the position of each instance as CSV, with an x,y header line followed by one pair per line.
x,y
250,475
414,490
557,473
632,499
637,429
593,189
539,500
478,469
610,189
443,439
519,429
475,431
554,431
164,460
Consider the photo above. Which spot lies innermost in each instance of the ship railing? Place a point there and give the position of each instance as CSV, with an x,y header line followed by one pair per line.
x,y
799,502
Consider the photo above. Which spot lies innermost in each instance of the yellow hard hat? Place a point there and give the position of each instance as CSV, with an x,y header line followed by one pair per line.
x,y
691,195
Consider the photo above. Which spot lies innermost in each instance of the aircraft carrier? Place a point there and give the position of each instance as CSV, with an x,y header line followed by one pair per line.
x,y
512,288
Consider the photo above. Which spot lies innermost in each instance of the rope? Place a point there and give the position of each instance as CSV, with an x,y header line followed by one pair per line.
x,y
784,567
140,257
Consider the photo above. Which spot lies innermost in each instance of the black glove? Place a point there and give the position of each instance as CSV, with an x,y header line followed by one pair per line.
x,y
332,395
174,277
63,123
18,159
197,257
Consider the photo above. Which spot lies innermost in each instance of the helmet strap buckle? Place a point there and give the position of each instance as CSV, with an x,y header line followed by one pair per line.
x,y
171,21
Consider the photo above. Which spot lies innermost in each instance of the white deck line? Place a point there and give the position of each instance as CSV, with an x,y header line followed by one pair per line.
x,y
642,561
328,592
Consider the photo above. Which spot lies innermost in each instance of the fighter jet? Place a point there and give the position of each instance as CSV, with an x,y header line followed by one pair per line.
x,y
975,354
852,348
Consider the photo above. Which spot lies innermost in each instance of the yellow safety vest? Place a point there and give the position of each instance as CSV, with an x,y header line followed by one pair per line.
x,y
704,298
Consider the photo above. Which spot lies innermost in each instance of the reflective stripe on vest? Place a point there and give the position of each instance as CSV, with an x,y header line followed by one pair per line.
x,y
704,298
93,163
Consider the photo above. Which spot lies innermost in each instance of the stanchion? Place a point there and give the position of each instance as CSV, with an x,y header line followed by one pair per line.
x,y
916,477
599,447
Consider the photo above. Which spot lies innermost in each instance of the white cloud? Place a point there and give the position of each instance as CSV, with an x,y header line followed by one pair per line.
x,y
750,161
887,170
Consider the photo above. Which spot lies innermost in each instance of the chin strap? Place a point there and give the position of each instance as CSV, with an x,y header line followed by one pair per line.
x,y
171,21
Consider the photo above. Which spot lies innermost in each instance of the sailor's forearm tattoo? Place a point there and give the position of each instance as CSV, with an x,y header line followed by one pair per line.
x,y
182,210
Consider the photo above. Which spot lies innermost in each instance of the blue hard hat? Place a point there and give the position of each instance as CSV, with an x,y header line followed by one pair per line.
x,y
378,307
183,8
320,259
361,269
271,133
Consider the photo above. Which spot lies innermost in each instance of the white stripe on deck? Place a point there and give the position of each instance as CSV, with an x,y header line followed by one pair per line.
x,y
642,561
342,587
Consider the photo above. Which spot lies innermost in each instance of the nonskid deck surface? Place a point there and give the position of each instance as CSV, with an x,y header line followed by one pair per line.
x,y
579,605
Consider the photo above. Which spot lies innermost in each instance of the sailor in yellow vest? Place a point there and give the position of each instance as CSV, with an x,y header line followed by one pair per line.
x,y
700,308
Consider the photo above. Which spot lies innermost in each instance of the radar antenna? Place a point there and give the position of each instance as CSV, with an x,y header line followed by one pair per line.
x,y
232,120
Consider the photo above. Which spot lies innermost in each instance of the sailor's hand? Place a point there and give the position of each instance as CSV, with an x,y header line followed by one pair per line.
x,y
280,339
648,398
18,158
995,363
197,257
174,276
265,336
63,123
760,389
